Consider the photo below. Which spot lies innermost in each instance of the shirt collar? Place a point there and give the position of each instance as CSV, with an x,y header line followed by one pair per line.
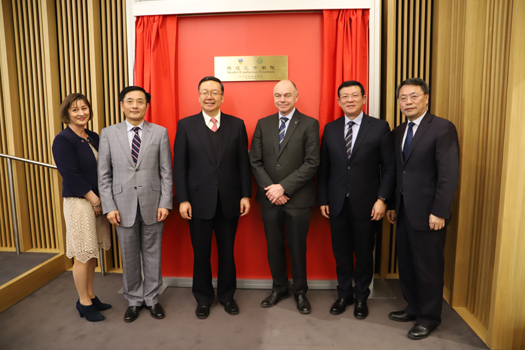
x,y
356,120
207,118
129,126
289,115
418,120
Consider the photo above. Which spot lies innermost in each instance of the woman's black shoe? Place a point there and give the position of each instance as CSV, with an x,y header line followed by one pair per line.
x,y
100,305
90,311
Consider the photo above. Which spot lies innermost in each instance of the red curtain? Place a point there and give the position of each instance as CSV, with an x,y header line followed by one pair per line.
x,y
345,57
155,68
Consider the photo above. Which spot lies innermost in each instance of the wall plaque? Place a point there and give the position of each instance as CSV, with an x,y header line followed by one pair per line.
x,y
251,68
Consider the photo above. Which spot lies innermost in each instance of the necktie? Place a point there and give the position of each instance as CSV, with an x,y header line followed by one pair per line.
x,y
282,129
408,140
214,127
135,145
348,139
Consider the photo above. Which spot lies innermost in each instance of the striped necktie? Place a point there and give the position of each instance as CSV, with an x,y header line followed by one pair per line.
x,y
135,145
282,129
348,139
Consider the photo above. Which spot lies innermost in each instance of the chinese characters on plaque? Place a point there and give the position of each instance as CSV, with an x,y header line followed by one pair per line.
x,y
251,68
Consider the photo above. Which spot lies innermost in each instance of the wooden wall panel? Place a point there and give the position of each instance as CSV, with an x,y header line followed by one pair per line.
x,y
7,241
115,78
478,91
32,87
406,53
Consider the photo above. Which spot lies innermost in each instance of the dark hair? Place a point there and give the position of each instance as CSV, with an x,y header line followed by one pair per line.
x,y
350,83
68,101
128,89
413,81
208,78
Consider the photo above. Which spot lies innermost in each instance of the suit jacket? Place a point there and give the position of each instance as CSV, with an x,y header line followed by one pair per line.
x,y
122,184
428,178
293,165
369,173
200,178
76,162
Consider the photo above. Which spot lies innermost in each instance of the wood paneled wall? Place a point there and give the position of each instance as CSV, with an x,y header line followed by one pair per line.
x,y
93,61
478,86
406,53
51,48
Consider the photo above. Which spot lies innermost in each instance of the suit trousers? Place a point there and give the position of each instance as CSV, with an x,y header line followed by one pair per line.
x,y
201,231
421,270
141,247
351,235
297,222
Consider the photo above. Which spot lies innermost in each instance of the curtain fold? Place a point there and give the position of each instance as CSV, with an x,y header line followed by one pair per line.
x,y
155,68
345,57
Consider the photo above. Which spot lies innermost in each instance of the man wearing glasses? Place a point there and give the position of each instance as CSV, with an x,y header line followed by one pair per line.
x,y
212,181
427,169
356,178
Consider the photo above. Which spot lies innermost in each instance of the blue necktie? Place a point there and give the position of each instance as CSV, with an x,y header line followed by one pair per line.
x,y
348,139
408,140
135,145
282,129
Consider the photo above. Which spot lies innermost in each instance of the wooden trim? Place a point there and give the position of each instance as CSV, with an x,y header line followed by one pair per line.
x,y
25,284
473,322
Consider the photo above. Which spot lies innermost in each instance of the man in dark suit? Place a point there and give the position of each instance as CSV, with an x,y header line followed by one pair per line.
x,y
212,180
356,178
427,172
285,158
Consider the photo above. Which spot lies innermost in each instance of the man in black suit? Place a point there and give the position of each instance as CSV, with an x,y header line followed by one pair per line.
x,y
284,158
212,180
427,163
356,178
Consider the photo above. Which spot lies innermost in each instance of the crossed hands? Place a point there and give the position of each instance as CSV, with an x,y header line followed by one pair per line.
x,y
275,193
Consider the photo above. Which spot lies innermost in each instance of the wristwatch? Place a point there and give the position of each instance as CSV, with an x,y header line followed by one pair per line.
x,y
382,199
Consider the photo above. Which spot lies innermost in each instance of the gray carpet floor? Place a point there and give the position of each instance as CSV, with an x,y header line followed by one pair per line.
x,y
47,319
19,263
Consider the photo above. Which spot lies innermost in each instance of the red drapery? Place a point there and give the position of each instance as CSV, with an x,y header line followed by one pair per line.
x,y
155,68
345,57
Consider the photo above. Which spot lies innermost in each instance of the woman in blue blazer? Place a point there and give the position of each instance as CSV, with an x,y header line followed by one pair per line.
x,y
75,150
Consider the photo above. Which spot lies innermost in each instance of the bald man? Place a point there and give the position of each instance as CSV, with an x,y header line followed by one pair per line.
x,y
285,157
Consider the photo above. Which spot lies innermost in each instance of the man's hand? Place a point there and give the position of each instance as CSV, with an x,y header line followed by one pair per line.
x,y
282,200
435,223
273,192
162,214
114,217
245,205
391,215
378,210
325,211
185,210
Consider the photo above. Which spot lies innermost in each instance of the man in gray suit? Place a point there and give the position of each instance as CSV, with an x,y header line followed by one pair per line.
x,y
136,191
284,157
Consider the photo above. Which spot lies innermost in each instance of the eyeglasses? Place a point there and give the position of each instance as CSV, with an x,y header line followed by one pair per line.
x,y
353,97
412,97
213,93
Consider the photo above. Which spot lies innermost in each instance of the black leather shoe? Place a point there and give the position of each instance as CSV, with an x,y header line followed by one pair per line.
x,y
202,311
418,332
360,309
156,311
132,313
303,305
339,306
90,312
274,298
232,308
401,316
100,305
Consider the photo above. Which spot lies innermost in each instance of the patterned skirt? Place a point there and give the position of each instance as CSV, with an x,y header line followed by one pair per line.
x,y
85,233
